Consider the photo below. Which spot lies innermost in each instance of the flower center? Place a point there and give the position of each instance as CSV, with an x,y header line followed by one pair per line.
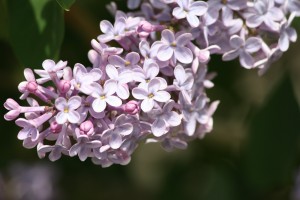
x,y
66,110
151,95
173,44
102,97
127,63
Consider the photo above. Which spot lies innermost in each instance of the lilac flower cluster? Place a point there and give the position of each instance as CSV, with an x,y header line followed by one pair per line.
x,y
151,85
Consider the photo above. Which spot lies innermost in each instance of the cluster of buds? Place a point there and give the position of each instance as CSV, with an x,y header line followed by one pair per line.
x,y
151,85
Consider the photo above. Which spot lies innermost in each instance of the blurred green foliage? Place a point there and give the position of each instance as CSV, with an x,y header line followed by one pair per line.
x,y
252,153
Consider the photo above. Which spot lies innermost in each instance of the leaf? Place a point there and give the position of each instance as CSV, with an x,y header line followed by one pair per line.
x,y
36,30
271,151
66,4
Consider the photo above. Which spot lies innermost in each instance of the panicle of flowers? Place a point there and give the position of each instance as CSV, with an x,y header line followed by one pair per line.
x,y
151,85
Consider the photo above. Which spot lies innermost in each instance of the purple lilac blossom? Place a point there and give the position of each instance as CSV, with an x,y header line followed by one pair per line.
x,y
150,84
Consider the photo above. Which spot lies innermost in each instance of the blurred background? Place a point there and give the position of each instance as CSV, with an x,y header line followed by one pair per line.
x,y
252,153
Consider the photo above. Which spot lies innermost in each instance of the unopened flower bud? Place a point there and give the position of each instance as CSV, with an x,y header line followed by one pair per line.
x,y
132,107
64,86
14,109
32,86
55,127
86,128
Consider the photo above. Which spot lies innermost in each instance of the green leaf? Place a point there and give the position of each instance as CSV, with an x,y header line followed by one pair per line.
x,y
36,30
66,4
271,151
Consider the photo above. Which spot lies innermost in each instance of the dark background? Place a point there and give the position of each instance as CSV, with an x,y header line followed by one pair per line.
x,y
252,153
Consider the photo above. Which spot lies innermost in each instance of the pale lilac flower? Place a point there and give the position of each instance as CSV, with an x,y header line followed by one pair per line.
x,y
83,79
61,146
50,67
84,146
15,109
104,95
100,52
243,49
193,113
150,94
130,22
150,53
121,79
183,81
86,108
130,62
208,126
264,11
144,76
55,151
287,34
120,128
173,49
227,7
67,110
190,10
111,32
30,127
164,119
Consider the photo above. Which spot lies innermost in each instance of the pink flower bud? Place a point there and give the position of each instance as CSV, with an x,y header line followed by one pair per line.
x,y
55,127
86,128
11,115
14,109
32,86
64,86
132,107
145,26
11,104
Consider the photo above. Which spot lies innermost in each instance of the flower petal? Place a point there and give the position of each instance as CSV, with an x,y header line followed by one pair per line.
x,y
165,52
112,72
159,127
139,93
147,104
73,117
110,87
113,101
125,129
74,102
61,117
184,55
173,118
99,105
61,103
162,96
115,140
29,75
179,13
167,36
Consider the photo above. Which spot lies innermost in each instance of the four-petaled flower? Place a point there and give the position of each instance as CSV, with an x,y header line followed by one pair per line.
x,y
243,49
164,119
104,95
190,10
67,110
153,92
120,128
173,49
